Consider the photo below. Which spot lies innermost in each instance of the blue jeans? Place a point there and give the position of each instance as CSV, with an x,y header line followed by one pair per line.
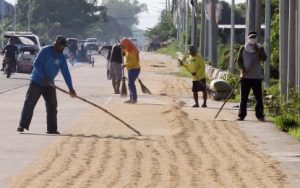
x,y
33,94
132,76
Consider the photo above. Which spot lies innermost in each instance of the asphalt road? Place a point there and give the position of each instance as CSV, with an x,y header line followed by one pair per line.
x,y
19,150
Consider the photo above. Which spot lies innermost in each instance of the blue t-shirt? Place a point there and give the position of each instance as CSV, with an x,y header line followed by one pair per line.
x,y
47,65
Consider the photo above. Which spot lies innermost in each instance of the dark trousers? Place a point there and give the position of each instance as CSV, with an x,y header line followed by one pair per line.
x,y
132,76
33,94
256,86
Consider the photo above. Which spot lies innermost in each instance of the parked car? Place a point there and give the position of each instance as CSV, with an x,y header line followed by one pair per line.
x,y
91,44
25,59
26,34
28,46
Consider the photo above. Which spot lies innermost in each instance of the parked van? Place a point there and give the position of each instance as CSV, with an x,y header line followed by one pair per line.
x,y
28,45
26,34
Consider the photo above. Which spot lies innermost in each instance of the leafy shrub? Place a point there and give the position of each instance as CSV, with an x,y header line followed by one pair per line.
x,y
295,133
171,50
286,122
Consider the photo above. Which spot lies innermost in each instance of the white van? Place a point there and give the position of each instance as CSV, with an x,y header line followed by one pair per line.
x,y
26,34
28,45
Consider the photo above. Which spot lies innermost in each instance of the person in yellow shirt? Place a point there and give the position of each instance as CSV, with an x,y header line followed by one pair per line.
x,y
196,66
132,64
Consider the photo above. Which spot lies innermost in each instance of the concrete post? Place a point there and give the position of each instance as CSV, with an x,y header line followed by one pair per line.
x,y
267,43
291,45
298,48
187,34
258,19
202,31
207,40
250,17
213,35
194,27
232,32
283,47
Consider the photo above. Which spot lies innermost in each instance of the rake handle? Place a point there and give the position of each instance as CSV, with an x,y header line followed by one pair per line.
x,y
101,108
228,97
204,85
233,89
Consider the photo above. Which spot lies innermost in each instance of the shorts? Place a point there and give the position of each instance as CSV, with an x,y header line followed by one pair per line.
x,y
115,71
199,85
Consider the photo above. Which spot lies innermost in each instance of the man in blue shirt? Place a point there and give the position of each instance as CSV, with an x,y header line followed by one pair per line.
x,y
49,61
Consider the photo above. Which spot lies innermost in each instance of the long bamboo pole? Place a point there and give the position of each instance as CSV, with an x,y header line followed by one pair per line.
x,y
101,108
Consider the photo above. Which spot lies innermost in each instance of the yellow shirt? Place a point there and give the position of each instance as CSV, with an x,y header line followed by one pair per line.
x,y
131,61
196,64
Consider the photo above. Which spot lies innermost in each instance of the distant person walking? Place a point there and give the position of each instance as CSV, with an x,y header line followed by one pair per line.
x,y
115,68
10,51
132,64
249,61
49,61
73,52
196,65
108,48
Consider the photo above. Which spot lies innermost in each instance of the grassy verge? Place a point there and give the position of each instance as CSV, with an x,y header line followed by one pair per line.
x,y
170,50
295,133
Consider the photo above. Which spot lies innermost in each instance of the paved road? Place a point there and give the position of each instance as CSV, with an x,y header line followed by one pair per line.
x,y
17,151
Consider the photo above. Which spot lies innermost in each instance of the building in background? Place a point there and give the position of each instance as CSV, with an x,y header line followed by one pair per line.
x,y
7,10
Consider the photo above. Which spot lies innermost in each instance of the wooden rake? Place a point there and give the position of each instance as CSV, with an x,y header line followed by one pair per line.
x,y
210,92
234,88
101,108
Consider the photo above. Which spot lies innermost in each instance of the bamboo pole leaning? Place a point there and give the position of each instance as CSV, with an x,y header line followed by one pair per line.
x,y
101,108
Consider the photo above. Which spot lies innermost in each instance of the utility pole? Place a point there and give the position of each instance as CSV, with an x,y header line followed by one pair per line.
x,y
232,35
166,7
298,51
258,18
29,15
283,46
15,16
194,26
267,43
202,31
187,35
2,22
250,17
213,35
291,45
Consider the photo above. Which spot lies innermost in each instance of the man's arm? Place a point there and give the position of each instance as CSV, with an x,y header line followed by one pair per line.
x,y
262,54
38,63
67,77
240,59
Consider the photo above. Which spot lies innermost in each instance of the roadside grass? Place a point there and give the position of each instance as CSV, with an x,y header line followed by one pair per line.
x,y
295,133
170,50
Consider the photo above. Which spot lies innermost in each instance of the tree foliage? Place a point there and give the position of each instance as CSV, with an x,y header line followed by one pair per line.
x,y
68,17
125,11
79,18
121,17
164,30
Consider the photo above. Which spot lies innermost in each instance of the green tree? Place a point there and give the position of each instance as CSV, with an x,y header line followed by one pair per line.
x,y
68,17
164,30
125,11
